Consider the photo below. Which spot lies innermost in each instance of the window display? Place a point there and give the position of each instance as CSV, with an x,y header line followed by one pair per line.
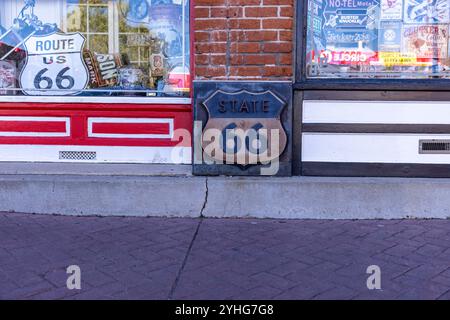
x,y
378,39
94,48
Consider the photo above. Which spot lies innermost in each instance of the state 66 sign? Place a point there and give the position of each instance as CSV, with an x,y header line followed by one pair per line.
x,y
54,65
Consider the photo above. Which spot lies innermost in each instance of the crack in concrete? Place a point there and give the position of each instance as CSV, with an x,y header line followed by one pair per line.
x,y
191,245
205,201
186,257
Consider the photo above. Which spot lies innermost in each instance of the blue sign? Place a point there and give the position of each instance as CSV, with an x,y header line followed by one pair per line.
x,y
390,36
244,104
335,5
349,38
350,22
347,19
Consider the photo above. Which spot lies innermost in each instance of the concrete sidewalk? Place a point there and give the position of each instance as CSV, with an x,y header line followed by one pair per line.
x,y
160,258
171,191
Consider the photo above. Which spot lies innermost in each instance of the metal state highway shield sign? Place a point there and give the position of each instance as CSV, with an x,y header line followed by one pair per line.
x,y
54,65
245,111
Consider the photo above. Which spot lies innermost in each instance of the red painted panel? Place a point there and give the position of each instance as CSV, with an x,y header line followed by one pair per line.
x,y
93,106
80,112
131,128
33,126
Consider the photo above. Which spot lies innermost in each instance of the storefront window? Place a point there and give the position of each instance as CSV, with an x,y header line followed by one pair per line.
x,y
378,39
94,48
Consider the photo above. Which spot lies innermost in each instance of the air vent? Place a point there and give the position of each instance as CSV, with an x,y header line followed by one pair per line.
x,y
434,146
78,155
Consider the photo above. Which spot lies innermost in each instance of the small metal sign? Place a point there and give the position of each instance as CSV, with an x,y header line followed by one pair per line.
x,y
251,113
54,65
242,128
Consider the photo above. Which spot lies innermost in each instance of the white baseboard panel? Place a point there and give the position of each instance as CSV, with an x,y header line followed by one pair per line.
x,y
48,153
387,112
369,148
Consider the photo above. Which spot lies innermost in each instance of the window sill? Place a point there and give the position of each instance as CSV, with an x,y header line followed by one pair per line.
x,y
102,100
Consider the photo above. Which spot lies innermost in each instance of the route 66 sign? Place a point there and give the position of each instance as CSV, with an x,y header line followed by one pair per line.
x,y
250,126
243,128
54,65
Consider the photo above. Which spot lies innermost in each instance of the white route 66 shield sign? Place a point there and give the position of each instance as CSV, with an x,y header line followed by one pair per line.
x,y
54,65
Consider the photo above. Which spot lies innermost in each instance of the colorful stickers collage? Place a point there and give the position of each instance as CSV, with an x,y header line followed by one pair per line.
x,y
387,33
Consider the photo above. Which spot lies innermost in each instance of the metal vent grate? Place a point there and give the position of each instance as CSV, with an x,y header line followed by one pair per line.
x,y
78,155
434,146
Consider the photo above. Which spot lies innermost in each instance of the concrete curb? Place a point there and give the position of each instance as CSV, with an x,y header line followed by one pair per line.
x,y
103,196
176,193
328,198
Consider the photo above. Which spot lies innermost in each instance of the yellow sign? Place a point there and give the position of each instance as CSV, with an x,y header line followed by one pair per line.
x,y
390,59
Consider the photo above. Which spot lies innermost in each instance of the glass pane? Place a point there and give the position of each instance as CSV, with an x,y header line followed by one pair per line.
x,y
98,43
144,53
378,39
76,19
98,19
95,47
155,34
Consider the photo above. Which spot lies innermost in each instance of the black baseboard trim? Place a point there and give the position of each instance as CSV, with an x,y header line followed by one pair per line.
x,y
341,169
376,128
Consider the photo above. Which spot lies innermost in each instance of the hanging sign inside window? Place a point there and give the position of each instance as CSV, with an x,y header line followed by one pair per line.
x,y
350,13
349,4
391,9
348,38
103,69
349,57
353,21
390,36
427,11
315,22
425,41
54,65
347,19
391,59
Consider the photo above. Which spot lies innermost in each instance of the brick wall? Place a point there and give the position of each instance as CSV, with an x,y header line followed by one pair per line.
x,y
243,39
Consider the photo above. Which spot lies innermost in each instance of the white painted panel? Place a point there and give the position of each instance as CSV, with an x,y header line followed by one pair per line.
x,y
34,134
389,112
369,148
35,119
40,153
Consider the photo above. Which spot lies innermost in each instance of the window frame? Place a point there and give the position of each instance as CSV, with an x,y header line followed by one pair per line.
x,y
117,100
111,20
302,82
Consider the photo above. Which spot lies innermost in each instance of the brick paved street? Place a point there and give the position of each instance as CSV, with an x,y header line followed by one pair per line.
x,y
153,258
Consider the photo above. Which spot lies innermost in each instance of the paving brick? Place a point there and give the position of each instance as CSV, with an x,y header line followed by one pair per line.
x,y
29,290
430,250
288,268
377,295
337,293
55,294
445,296
144,258
426,271
260,293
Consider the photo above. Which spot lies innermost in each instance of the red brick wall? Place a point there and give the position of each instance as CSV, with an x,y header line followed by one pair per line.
x,y
243,39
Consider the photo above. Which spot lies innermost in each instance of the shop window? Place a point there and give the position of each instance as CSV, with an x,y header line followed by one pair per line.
x,y
95,48
92,19
382,39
